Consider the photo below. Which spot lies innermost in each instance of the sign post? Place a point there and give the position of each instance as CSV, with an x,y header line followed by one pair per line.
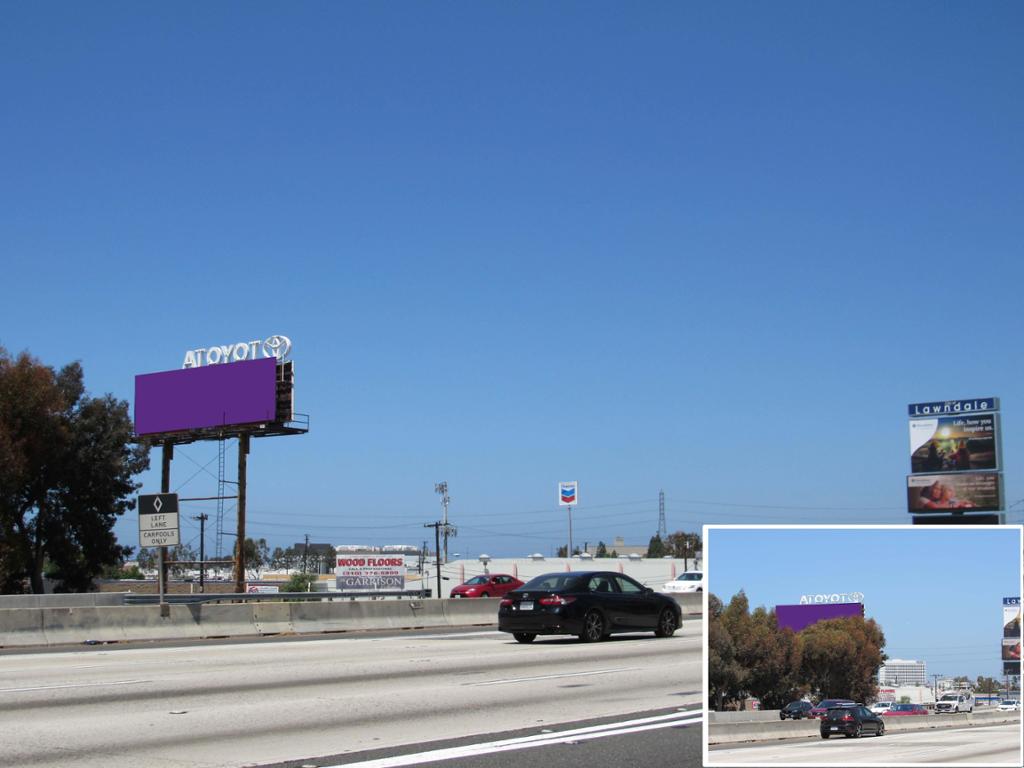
x,y
158,527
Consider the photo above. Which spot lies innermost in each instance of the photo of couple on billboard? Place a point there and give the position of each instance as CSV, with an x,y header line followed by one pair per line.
x,y
977,491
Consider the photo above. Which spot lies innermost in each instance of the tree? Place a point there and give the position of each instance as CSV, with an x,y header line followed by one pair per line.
x,y
298,582
725,674
66,466
772,657
987,685
656,547
841,657
257,555
602,550
684,545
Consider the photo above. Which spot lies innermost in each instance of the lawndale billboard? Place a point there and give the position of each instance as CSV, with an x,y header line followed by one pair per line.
x,y
796,617
1011,654
208,396
954,460
966,492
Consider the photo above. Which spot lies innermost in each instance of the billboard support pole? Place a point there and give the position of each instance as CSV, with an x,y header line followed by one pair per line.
x,y
165,487
243,452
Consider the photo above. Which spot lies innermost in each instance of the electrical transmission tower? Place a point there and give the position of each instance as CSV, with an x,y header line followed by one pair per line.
x,y
662,527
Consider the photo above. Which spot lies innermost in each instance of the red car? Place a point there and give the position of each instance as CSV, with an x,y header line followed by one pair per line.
x,y
897,710
821,708
489,585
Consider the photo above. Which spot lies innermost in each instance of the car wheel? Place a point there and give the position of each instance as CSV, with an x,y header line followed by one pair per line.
x,y
782,715
483,594
824,735
858,731
593,627
524,637
666,624
881,730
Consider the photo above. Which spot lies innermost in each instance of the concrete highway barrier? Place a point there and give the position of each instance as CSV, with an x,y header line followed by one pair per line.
x,y
88,623
720,732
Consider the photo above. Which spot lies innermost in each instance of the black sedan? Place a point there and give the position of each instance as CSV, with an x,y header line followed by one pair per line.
x,y
795,710
850,721
590,604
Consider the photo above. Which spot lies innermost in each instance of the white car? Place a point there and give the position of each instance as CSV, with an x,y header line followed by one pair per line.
x,y
881,707
687,581
1009,705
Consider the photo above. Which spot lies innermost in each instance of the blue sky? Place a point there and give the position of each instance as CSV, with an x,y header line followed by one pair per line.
x,y
937,593
714,249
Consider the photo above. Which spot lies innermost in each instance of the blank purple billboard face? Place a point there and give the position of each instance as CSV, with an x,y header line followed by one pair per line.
x,y
796,617
208,396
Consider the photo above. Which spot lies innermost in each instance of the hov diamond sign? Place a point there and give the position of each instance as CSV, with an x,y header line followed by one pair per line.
x,y
158,520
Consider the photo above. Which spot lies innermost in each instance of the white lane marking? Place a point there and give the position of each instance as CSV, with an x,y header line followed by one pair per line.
x,y
539,740
73,685
552,677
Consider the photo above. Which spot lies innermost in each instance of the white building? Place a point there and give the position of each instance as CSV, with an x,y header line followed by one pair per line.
x,y
903,672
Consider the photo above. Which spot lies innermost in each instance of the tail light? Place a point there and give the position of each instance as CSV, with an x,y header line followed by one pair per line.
x,y
847,718
506,602
555,600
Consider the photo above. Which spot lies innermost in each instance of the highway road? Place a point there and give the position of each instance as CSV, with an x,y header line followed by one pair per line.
x,y
352,698
987,745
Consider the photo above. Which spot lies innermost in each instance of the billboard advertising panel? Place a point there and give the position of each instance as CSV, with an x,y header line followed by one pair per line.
x,y
1011,636
369,572
953,443
796,617
966,491
210,396
1011,617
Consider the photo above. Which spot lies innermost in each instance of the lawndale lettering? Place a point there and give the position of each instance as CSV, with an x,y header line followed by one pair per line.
x,y
954,406
835,597
275,346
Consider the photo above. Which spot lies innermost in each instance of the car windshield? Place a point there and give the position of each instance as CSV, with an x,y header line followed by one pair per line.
x,y
553,582
691,577
903,708
477,580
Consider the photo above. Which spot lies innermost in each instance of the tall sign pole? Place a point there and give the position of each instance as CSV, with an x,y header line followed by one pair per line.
x,y
568,495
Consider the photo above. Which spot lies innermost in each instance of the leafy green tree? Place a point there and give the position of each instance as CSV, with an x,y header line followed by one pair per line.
x,y
602,550
67,462
257,556
656,547
684,545
987,685
904,700
725,674
841,657
298,582
771,657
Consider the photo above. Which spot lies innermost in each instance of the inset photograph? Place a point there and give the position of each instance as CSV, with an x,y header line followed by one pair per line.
x,y
858,645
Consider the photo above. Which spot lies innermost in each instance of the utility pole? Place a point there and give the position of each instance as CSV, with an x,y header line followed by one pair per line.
x,y
202,549
305,556
437,550
449,530
662,527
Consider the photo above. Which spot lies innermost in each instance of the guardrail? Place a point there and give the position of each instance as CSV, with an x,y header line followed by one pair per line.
x,y
133,598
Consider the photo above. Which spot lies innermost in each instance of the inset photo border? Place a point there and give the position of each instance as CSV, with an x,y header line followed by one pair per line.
x,y
878,616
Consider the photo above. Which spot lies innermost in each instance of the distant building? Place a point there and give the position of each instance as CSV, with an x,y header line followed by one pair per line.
x,y
903,672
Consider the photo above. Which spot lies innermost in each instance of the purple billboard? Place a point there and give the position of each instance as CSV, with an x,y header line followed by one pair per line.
x,y
208,396
796,617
